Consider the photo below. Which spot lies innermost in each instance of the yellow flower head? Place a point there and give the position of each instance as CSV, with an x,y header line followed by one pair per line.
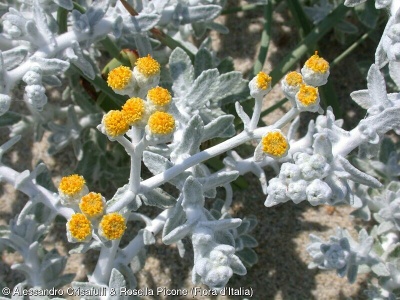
x,y
307,95
148,66
274,143
134,109
294,78
161,123
92,205
317,64
119,77
115,123
112,226
71,185
79,227
159,96
263,80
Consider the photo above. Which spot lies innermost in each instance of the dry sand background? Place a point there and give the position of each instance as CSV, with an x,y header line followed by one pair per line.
x,y
282,232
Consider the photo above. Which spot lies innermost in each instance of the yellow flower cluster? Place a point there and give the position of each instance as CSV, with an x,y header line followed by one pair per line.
x,y
307,95
148,66
119,77
112,226
317,64
159,96
161,123
134,109
294,79
92,206
79,227
71,185
115,123
275,144
263,80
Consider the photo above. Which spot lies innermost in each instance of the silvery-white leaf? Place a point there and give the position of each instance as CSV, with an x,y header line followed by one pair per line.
x,y
122,193
117,281
178,233
129,277
67,4
141,23
217,127
362,98
394,71
229,84
191,140
218,179
223,224
148,237
203,89
84,247
176,218
352,273
51,66
182,72
377,86
34,34
41,24
192,193
51,80
14,57
157,197
385,227
155,162
202,61
382,3
95,13
352,3
196,14
117,26
76,56
142,43
357,175
237,266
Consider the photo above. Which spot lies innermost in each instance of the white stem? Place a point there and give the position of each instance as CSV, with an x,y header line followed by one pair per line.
x,y
105,263
256,113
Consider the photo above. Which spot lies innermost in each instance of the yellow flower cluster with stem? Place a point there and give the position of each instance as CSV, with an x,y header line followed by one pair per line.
x,y
79,227
112,226
275,144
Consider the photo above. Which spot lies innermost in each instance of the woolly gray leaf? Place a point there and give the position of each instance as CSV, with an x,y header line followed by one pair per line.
x,y
141,23
51,66
182,72
248,256
249,241
394,71
178,233
127,272
199,13
217,127
84,247
14,57
67,4
385,227
380,269
218,27
52,80
157,197
202,61
192,137
352,273
117,281
229,84
362,98
77,58
377,86
192,193
357,175
176,219
155,162
218,179
143,45
222,224
148,237
203,89
34,34
41,24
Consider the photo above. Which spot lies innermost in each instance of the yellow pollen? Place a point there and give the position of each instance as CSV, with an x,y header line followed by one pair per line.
x,y
294,78
119,77
263,80
148,66
133,109
275,144
113,226
307,95
92,204
161,123
159,96
317,64
79,226
115,123
71,185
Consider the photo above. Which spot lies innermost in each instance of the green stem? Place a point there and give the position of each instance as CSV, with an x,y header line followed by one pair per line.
x,y
62,16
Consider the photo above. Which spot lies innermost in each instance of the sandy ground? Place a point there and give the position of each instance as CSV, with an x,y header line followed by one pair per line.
x,y
282,232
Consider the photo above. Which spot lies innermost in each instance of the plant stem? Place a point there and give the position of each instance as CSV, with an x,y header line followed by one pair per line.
x,y
105,263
